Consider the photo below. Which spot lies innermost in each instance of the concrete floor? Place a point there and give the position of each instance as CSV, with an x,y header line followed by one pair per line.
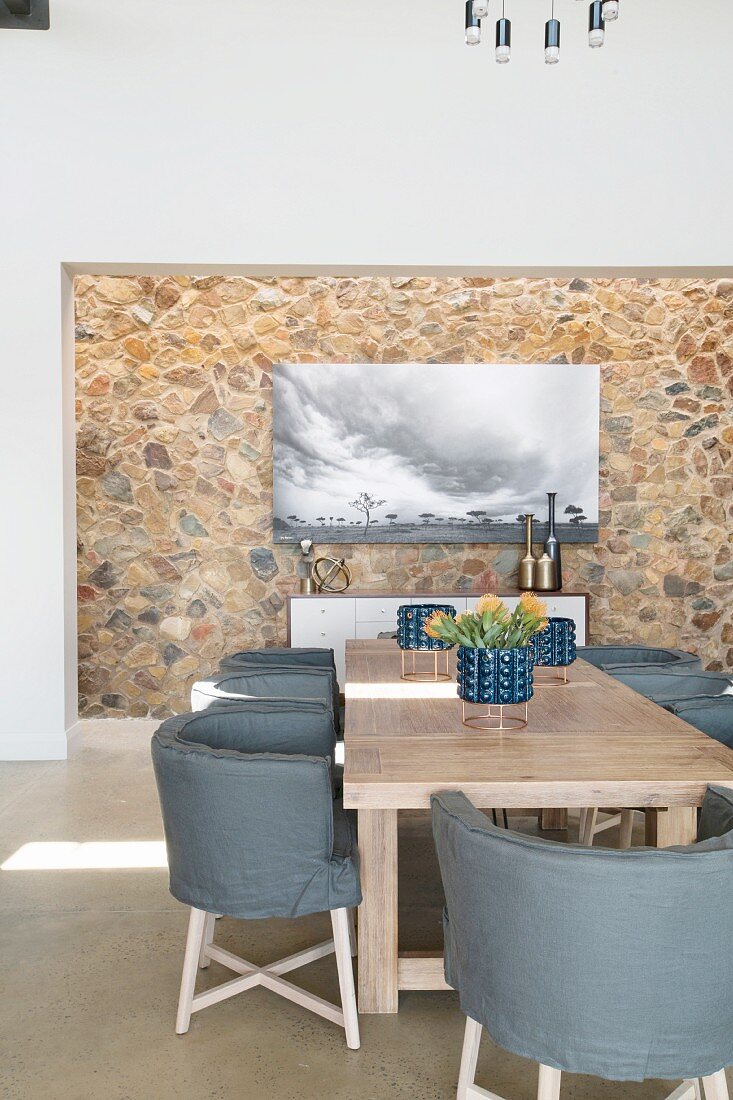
x,y
90,966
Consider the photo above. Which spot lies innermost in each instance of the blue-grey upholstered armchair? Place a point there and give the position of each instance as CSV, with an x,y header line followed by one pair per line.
x,y
255,834
615,964
620,661
278,725
712,716
262,682
663,685
616,657
285,657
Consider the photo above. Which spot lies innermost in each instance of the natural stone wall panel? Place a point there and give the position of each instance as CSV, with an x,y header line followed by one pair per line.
x,y
176,561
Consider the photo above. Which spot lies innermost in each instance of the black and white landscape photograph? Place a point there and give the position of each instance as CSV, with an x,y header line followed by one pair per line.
x,y
434,453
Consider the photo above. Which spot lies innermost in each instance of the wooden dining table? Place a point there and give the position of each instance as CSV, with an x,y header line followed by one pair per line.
x,y
593,742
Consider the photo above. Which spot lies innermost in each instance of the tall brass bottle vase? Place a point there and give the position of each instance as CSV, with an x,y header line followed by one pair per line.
x,y
528,564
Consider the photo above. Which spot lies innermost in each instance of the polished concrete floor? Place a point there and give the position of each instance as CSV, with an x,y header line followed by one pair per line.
x,y
90,965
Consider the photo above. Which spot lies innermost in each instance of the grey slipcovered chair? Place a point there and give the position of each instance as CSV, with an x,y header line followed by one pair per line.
x,y
279,725
612,658
617,661
712,716
525,948
255,834
663,685
287,657
262,682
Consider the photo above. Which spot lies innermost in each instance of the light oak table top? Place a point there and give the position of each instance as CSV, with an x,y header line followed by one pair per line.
x,y
592,742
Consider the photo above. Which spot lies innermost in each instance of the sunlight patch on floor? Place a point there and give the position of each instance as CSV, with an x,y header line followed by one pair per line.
x,y
96,855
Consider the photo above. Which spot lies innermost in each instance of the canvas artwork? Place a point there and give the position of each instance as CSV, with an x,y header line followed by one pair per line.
x,y
434,453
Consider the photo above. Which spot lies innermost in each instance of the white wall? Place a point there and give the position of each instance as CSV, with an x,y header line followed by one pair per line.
x,y
318,134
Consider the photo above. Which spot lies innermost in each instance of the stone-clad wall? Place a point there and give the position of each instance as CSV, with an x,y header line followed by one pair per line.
x,y
176,561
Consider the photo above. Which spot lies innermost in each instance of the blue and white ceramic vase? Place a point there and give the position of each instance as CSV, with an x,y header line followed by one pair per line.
x,y
555,647
498,677
411,627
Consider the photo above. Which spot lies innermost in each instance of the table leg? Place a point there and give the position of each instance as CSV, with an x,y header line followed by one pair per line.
x,y
554,819
378,911
674,825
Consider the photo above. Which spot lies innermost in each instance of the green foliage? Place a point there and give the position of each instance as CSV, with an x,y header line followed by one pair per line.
x,y
492,628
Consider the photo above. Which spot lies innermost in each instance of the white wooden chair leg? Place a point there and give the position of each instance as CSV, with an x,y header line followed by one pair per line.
x,y
716,1086
194,939
688,1090
581,825
353,942
591,819
340,922
548,1087
469,1058
627,828
206,940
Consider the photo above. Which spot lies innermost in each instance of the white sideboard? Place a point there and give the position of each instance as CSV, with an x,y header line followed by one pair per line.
x,y
330,620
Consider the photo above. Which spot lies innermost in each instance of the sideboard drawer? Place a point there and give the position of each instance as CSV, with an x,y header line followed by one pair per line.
x,y
323,623
376,610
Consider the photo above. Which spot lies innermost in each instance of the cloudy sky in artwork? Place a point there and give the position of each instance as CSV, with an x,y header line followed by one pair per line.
x,y
444,439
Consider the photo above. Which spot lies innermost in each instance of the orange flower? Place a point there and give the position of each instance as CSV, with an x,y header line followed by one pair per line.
x,y
489,603
532,605
432,621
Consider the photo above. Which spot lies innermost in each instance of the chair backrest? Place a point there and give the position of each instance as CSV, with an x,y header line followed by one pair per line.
x,y
711,716
662,684
261,682
610,657
282,726
605,962
287,658
282,655
249,833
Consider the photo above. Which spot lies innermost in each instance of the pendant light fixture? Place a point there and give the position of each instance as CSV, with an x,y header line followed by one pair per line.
x,y
473,26
600,13
503,37
596,25
552,39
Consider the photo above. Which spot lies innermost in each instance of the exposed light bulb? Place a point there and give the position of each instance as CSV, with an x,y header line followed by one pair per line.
x,y
610,10
503,41
473,26
552,41
596,25
480,8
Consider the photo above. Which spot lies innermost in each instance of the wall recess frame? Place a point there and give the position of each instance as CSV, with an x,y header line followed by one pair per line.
x,y
25,15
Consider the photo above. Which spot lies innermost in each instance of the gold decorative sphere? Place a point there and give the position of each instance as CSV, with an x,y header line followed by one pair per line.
x,y
331,574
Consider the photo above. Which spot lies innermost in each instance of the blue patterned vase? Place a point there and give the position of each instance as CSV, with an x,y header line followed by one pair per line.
x,y
554,647
411,627
499,677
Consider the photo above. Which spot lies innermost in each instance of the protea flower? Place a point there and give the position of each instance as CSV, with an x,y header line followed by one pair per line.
x,y
533,606
489,603
432,621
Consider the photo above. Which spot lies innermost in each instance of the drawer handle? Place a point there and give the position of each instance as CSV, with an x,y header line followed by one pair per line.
x,y
323,633
323,611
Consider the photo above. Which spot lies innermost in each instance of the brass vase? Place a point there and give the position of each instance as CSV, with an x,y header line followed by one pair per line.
x,y
528,564
545,575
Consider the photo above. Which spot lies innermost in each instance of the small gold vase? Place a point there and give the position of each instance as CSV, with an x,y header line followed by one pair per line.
x,y
545,575
528,564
